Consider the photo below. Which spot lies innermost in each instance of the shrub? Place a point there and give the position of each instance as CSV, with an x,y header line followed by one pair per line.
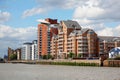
x,y
44,57
79,55
117,58
71,55
49,56
13,56
69,63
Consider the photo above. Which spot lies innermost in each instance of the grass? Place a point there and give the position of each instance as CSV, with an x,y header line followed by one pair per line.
x,y
69,63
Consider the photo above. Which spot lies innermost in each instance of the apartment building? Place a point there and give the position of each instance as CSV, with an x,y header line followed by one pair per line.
x,y
26,51
34,50
46,29
61,40
106,43
29,51
83,42
72,38
14,51
54,46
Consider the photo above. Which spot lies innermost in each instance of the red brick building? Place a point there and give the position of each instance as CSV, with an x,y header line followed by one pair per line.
x,y
81,41
16,51
59,39
46,29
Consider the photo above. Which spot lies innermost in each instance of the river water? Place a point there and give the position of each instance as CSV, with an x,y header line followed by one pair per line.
x,y
54,72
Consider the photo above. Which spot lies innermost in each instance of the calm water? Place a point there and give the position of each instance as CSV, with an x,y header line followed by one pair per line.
x,y
53,72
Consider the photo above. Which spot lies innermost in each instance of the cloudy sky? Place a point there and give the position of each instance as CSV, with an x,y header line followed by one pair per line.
x,y
18,18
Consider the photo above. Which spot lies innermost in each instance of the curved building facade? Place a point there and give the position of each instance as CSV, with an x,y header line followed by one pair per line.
x,y
114,52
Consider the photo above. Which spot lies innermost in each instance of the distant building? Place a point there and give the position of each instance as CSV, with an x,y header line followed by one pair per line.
x,y
16,51
5,57
26,51
10,51
106,43
34,50
29,51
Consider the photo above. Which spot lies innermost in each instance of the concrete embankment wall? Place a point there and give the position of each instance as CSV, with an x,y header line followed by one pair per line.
x,y
62,62
111,63
106,63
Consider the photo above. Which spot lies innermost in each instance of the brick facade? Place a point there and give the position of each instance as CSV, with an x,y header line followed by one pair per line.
x,y
68,36
81,41
45,33
16,51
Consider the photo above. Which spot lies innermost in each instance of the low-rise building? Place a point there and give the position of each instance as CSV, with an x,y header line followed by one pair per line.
x,y
17,52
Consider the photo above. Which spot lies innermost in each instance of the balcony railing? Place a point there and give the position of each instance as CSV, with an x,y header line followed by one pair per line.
x,y
69,45
60,43
60,33
60,39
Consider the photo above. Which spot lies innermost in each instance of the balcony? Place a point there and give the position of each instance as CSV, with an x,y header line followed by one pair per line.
x,y
69,38
83,52
82,41
60,36
69,45
79,37
60,46
61,39
70,49
61,33
69,42
60,43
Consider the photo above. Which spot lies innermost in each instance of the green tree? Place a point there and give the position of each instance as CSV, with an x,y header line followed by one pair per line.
x,y
13,56
79,55
71,55
49,56
44,57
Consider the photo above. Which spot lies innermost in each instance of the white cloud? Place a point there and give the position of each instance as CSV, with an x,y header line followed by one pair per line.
x,y
33,11
103,30
106,32
87,12
52,4
4,16
98,11
64,4
15,37
17,33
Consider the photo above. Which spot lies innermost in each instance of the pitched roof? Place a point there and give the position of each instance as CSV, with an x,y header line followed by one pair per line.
x,y
84,30
79,32
109,38
71,24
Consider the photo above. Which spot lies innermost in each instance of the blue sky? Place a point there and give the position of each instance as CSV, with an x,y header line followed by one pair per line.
x,y
18,18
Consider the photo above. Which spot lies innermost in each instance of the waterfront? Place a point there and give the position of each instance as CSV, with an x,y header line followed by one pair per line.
x,y
53,72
